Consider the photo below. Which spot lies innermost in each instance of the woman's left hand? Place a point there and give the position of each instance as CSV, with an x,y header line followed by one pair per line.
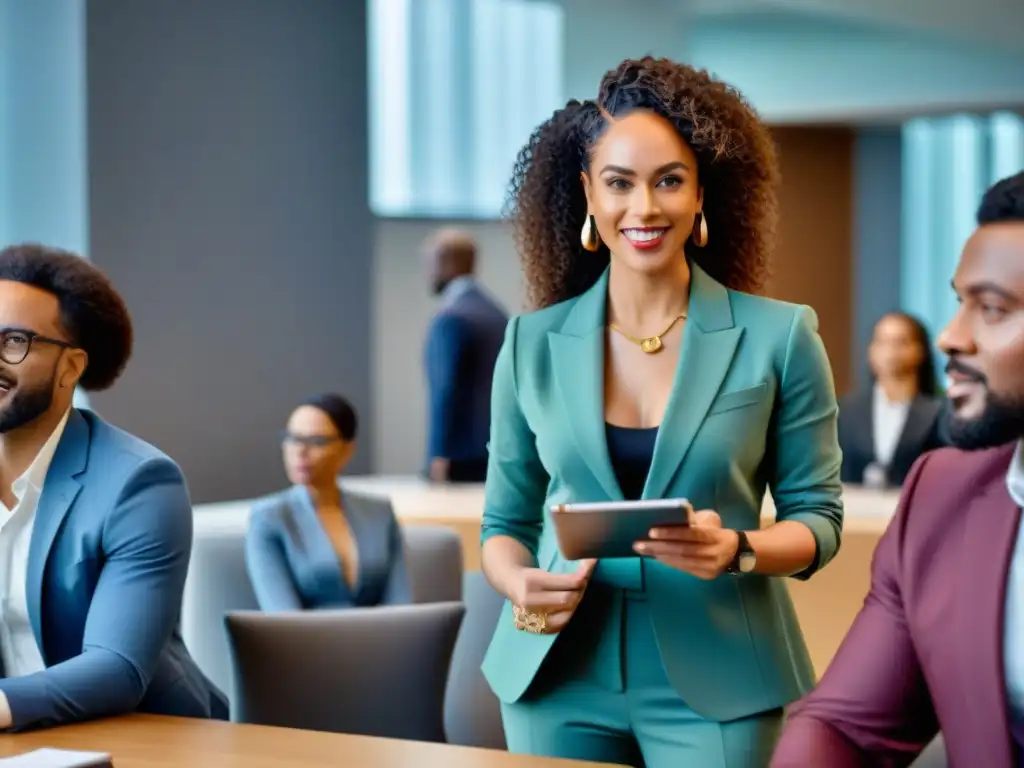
x,y
704,548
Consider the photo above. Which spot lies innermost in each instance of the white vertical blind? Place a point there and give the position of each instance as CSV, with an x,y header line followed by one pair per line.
x,y
918,232
456,87
388,44
435,130
1007,144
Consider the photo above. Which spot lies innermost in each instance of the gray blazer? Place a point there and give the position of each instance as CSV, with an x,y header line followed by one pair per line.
x,y
293,565
924,430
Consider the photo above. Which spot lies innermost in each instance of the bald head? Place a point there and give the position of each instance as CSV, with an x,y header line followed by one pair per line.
x,y
451,253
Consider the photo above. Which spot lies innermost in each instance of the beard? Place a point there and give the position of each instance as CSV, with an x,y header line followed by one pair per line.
x,y
26,405
1001,422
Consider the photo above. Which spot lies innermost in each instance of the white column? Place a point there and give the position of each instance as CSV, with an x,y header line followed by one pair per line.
x,y
43,188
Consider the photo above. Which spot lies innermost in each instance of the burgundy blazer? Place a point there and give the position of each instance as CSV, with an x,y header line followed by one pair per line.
x,y
926,651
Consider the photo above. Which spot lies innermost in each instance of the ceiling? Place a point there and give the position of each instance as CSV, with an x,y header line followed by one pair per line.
x,y
998,23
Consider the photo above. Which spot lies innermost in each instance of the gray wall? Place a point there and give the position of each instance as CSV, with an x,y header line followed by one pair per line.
x,y
228,201
877,200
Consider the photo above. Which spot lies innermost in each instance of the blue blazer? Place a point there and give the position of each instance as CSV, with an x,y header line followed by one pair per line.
x,y
753,405
106,570
462,345
293,566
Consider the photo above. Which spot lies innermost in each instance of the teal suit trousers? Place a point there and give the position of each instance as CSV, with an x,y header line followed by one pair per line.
x,y
603,695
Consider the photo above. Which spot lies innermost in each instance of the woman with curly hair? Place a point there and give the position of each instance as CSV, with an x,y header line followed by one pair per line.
x,y
653,370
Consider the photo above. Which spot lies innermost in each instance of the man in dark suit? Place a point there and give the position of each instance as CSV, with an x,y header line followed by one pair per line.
x,y
939,644
462,346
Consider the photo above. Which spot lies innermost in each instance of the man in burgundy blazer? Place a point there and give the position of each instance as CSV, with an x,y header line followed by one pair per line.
x,y
939,643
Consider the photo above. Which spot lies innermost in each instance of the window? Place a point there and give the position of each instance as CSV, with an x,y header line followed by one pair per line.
x,y
1007,156
948,163
456,87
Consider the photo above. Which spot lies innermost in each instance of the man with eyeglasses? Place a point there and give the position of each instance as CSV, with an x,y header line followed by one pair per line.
x,y
95,524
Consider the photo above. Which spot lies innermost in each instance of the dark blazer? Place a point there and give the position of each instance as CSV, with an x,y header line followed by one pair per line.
x,y
106,572
461,348
926,650
293,566
924,431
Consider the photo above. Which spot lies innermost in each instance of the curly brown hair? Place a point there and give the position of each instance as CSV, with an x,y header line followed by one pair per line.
x,y
737,167
92,312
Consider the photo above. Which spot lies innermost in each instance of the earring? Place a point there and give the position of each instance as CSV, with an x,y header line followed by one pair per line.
x,y
700,230
589,237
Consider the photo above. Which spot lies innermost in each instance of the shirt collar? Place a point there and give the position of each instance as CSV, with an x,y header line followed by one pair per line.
x,y
35,475
1015,476
880,397
457,288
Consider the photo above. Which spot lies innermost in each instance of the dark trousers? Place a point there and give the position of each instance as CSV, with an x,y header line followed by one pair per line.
x,y
467,470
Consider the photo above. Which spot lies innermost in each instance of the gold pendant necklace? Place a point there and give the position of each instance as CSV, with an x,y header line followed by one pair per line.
x,y
651,344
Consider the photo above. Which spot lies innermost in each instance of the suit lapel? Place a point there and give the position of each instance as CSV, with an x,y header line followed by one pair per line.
x,y
990,534
577,359
709,345
318,545
860,417
59,492
920,419
358,512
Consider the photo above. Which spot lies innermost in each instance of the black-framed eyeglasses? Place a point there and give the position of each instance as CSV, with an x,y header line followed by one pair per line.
x,y
309,441
16,343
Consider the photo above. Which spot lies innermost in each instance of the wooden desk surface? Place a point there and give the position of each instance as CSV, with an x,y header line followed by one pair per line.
x,y
460,507
146,741
415,500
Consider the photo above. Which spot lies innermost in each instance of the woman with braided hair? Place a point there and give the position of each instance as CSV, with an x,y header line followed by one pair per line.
x,y
652,369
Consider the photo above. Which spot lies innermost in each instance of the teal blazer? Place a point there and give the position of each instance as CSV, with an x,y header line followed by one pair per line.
x,y
753,406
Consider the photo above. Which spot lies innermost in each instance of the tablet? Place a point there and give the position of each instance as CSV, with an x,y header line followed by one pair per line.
x,y
610,528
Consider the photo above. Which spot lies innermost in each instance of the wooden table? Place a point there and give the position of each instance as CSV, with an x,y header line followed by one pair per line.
x,y
146,741
418,502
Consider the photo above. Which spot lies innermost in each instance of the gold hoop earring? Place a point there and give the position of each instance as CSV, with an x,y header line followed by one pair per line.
x,y
589,237
700,230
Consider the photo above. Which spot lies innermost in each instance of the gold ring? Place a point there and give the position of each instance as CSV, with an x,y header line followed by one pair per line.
x,y
528,621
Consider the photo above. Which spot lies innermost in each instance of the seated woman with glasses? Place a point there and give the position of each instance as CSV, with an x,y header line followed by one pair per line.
x,y
315,546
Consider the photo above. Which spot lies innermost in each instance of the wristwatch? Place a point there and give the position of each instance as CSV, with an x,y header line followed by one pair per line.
x,y
745,559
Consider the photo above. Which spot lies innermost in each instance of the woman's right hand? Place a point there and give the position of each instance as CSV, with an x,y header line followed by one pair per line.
x,y
553,596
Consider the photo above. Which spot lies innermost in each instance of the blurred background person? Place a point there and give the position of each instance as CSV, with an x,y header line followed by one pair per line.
x,y
461,348
314,546
886,426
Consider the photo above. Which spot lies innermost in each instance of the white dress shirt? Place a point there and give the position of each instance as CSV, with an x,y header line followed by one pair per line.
x,y
456,288
18,649
1013,627
889,418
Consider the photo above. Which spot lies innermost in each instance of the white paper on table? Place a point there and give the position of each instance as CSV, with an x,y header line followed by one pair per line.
x,y
57,758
